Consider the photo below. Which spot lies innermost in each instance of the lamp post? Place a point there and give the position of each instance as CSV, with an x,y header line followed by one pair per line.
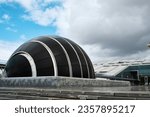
x,y
148,45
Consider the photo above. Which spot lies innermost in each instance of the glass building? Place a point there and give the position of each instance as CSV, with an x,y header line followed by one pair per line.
x,y
135,72
131,70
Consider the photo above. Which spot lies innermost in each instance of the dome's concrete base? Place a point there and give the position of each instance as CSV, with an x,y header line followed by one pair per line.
x,y
58,82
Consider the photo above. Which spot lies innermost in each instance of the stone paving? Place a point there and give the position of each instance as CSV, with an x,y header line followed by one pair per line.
x,y
102,93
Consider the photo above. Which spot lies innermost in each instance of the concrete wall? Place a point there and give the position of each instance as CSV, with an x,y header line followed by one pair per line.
x,y
57,82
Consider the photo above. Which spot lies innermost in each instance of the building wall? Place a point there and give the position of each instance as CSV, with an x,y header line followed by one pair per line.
x,y
142,71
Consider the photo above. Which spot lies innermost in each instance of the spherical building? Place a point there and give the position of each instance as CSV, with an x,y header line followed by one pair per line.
x,y
49,56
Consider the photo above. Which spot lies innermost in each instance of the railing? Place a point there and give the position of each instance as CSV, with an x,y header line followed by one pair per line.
x,y
115,78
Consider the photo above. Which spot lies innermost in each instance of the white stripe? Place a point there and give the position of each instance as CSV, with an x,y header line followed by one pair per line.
x,y
77,56
67,56
51,55
30,60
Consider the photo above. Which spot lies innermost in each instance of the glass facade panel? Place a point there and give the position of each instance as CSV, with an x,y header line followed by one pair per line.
x,y
141,71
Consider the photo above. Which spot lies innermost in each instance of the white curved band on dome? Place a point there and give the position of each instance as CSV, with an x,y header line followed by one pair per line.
x,y
51,55
77,57
30,60
67,56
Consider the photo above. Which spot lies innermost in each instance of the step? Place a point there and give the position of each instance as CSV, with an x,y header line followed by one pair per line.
x,y
31,93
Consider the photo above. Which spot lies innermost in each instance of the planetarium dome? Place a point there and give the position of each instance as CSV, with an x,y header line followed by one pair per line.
x,y
49,56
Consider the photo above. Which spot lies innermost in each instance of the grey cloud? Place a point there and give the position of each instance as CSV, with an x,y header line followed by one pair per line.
x,y
120,26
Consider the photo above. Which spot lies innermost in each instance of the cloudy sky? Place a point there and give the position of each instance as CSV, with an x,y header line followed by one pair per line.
x,y
106,29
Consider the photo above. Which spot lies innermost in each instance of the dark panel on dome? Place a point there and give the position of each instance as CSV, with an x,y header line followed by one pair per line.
x,y
41,57
20,68
83,63
61,60
76,70
24,46
91,69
